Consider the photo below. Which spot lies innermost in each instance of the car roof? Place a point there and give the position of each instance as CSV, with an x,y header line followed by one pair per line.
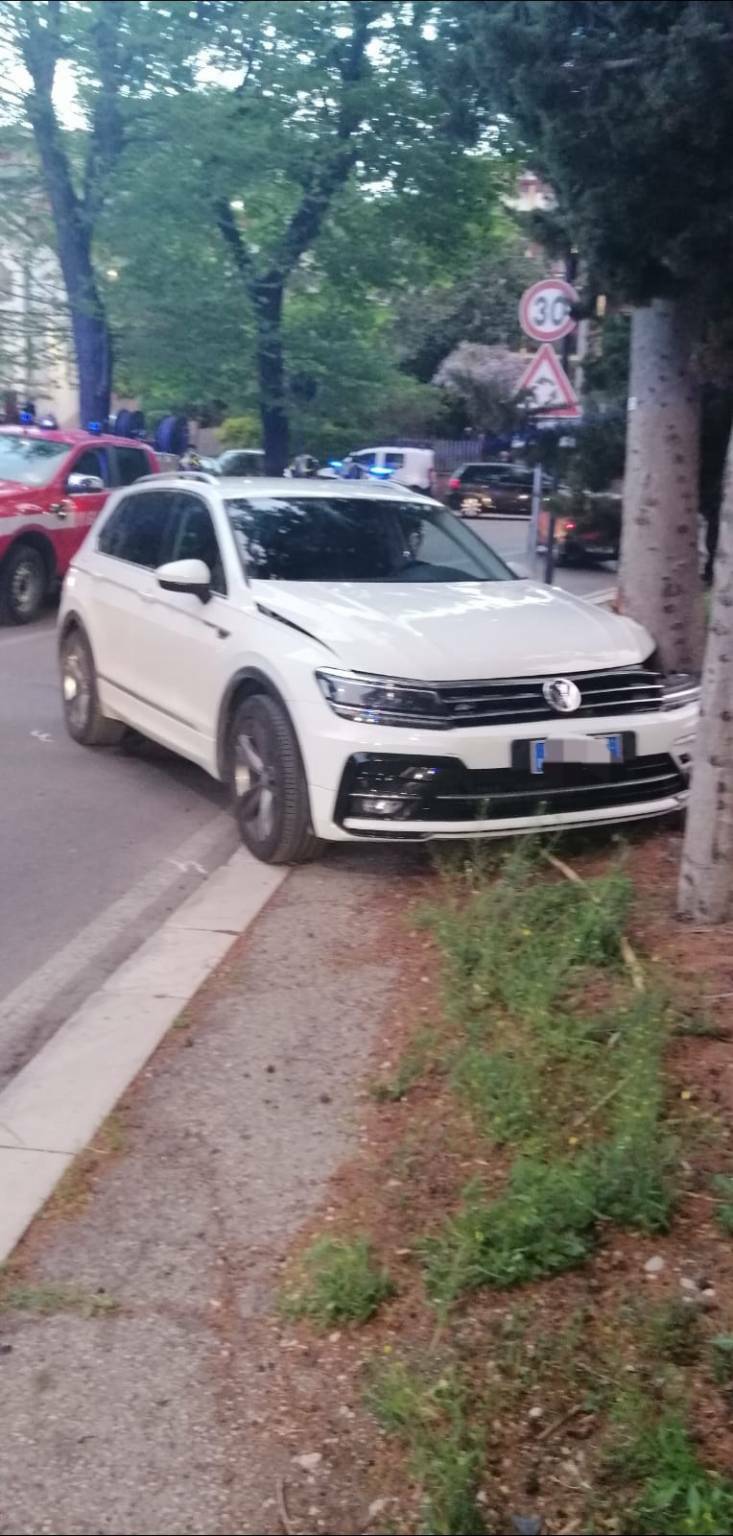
x,y
232,486
72,436
390,448
489,464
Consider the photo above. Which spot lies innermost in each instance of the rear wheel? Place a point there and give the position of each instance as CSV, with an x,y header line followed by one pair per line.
x,y
85,722
268,784
23,584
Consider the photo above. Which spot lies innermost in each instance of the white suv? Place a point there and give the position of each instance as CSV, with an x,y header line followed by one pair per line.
x,y
356,663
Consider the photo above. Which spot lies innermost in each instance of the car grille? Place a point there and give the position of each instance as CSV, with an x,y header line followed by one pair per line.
x,y
443,790
621,691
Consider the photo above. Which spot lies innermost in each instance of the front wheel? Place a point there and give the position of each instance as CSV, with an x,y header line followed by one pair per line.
x,y
268,784
85,722
23,585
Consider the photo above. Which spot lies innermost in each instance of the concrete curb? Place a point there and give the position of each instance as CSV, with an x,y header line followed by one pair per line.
x,y
54,1106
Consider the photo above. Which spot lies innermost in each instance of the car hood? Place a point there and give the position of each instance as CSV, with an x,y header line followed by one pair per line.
x,y
463,630
9,489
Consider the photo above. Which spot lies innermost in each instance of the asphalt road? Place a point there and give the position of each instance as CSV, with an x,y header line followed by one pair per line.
x,y
508,536
98,847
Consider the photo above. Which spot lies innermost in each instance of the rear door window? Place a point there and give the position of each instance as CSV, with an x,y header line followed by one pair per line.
x,y
132,464
135,530
394,460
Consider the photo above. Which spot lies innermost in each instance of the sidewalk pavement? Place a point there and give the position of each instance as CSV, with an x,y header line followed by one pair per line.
x,y
134,1362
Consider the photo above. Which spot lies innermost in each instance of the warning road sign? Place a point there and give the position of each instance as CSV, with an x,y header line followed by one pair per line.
x,y
548,386
544,309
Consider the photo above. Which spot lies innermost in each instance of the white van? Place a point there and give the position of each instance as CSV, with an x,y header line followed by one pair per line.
x,y
414,467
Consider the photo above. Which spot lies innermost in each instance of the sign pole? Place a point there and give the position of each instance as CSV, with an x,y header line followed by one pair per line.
x,y
534,521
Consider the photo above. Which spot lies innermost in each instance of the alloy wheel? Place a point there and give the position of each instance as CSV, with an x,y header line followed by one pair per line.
x,y
76,684
255,782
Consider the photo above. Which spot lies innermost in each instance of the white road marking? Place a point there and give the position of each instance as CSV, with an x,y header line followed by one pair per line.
x,y
42,735
28,1000
186,864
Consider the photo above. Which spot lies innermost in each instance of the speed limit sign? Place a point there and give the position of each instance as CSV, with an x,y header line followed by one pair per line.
x,y
544,309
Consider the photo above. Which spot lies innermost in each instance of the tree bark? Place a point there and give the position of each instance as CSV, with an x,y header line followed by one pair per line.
x,y
706,876
267,300
659,580
74,217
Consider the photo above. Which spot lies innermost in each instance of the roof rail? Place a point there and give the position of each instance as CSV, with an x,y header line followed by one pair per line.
x,y
179,474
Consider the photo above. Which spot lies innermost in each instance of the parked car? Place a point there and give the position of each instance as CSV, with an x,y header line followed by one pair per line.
x,y
52,487
493,490
413,467
356,663
240,462
588,527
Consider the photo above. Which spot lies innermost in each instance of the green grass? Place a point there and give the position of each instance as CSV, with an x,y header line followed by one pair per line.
x,y
673,1333
410,1070
676,1495
721,1359
436,1422
338,1281
723,1188
558,1198
48,1298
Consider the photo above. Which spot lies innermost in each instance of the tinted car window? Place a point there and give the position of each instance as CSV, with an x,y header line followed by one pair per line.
x,y
134,532
483,474
93,461
132,464
394,460
193,538
334,539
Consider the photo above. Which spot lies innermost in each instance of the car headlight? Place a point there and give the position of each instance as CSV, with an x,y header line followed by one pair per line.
x,y
680,688
378,700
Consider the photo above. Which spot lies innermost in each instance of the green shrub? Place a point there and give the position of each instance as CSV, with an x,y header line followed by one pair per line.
x,y
338,1282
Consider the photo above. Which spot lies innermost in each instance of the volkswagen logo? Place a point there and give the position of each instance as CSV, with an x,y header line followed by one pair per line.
x,y
562,695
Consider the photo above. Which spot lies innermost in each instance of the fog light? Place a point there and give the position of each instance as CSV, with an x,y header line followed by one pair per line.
x,y
683,752
364,806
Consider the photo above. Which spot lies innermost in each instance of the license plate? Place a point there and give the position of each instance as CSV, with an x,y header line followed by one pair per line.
x,y
575,749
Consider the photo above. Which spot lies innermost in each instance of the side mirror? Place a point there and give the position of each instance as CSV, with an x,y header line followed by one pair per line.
x,y
191,576
78,485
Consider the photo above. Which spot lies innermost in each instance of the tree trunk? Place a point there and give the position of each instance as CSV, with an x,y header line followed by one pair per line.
x,y
659,580
267,298
706,876
93,349
92,342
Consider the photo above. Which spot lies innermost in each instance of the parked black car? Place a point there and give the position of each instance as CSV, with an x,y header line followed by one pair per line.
x,y
493,490
588,527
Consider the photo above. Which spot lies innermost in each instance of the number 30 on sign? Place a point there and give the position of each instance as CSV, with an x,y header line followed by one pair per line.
x,y
544,309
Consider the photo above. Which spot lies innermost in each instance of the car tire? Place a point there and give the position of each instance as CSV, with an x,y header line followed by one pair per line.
x,y
23,584
268,784
83,716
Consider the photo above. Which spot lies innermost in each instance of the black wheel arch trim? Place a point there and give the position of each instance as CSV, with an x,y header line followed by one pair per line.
x,y
264,684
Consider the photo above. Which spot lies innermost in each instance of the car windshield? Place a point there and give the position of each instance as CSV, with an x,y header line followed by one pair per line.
x,y
314,538
30,460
